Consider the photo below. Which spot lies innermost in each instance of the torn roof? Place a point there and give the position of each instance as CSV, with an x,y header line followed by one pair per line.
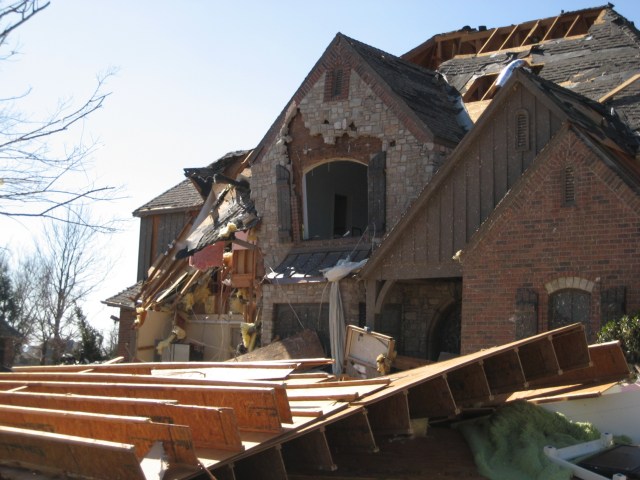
x,y
233,206
594,62
615,142
203,177
424,91
599,120
183,196
428,105
469,41
305,265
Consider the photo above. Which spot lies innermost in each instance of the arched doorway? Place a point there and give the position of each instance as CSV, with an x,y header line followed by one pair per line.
x,y
446,332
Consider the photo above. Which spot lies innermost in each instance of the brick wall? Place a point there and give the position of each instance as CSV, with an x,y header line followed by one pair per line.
x,y
536,243
126,334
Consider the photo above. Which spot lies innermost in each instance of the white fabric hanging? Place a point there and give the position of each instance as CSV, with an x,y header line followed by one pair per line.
x,y
336,311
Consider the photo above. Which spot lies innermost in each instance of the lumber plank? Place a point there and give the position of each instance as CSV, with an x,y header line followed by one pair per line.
x,y
146,368
63,453
256,408
140,431
211,427
136,378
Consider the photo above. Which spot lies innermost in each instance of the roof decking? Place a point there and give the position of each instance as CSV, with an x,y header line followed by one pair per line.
x,y
268,416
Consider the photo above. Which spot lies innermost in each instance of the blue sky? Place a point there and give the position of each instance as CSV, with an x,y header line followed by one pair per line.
x,y
196,79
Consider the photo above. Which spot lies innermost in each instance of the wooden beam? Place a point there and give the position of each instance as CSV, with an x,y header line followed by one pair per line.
x,y
511,33
530,34
62,454
573,24
265,465
211,427
538,360
619,88
495,30
352,434
140,431
504,372
469,385
390,416
256,409
432,398
382,295
309,451
553,25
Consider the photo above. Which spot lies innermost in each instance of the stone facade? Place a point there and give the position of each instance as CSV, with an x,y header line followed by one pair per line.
x,y
315,131
422,306
539,244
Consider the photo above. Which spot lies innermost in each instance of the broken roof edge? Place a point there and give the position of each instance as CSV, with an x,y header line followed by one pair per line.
x,y
430,42
423,133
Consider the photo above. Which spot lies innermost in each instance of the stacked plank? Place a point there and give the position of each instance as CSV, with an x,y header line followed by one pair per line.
x,y
260,419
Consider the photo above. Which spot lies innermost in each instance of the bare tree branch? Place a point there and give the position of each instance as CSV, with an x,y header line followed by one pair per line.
x,y
39,175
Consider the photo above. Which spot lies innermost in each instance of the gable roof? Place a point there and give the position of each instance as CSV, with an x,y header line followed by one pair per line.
x,y
190,193
602,63
612,136
203,177
430,108
181,197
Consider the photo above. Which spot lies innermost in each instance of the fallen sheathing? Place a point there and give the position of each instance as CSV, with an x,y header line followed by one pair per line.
x,y
168,420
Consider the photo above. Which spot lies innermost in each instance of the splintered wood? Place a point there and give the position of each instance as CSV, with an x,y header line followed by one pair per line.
x,y
172,420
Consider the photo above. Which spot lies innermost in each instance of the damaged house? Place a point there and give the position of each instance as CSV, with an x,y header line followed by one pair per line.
x,y
457,236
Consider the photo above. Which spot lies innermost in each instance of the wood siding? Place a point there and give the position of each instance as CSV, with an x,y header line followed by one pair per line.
x,y
156,234
487,168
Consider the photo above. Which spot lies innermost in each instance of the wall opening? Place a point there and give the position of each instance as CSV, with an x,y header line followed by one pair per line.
x,y
335,200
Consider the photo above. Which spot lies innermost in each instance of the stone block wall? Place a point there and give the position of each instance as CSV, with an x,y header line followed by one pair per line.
x,y
339,129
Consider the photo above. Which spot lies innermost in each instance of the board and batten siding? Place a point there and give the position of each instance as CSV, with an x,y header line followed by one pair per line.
x,y
486,167
156,234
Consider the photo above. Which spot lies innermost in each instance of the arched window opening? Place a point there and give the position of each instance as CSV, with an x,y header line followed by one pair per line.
x,y
335,200
569,306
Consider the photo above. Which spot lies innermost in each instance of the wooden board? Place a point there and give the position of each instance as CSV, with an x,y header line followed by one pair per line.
x,y
260,409
63,453
211,427
140,431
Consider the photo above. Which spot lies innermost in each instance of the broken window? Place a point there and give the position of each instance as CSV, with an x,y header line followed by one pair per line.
x,y
569,306
335,200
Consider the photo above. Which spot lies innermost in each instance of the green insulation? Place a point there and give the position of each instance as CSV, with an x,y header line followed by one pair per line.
x,y
508,444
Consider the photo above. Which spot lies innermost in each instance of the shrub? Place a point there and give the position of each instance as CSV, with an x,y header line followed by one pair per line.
x,y
627,330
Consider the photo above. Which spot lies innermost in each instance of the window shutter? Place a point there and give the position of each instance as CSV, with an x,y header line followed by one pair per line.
x,y
284,203
613,304
526,314
377,193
